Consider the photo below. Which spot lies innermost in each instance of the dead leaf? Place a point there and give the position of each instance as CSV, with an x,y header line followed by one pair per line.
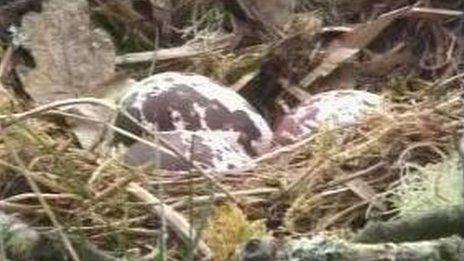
x,y
93,134
263,19
349,45
382,64
277,12
71,58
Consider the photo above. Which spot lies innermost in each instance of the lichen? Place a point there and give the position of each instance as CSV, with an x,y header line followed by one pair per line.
x,y
429,187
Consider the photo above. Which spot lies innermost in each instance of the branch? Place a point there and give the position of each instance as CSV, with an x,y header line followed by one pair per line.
x,y
185,51
175,220
432,225
326,248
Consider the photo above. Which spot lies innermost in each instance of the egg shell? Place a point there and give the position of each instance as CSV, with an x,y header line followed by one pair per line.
x,y
215,151
185,101
330,109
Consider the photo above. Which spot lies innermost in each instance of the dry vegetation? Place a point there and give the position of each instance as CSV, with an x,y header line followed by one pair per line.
x,y
333,181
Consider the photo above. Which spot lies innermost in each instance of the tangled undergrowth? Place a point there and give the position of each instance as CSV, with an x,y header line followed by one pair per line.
x,y
298,191
392,164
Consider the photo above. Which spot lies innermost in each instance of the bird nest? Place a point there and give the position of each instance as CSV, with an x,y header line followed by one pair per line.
x,y
334,179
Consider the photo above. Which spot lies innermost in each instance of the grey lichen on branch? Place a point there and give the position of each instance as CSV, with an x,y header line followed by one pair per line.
x,y
321,248
427,226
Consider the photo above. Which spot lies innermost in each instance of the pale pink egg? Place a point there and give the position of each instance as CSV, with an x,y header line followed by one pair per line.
x,y
329,109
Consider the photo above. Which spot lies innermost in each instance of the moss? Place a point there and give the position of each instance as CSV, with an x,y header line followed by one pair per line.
x,y
228,229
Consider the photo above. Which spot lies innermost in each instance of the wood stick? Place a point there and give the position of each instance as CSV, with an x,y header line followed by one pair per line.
x,y
426,12
185,51
175,220
322,247
182,202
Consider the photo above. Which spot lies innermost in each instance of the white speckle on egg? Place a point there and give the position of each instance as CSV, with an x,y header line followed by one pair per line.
x,y
177,120
202,114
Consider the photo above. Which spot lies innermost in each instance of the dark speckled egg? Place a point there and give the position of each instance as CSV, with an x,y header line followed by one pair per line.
x,y
183,101
179,106
330,109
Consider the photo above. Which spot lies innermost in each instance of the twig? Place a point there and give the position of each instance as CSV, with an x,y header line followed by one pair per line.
x,y
114,188
319,164
176,221
13,118
97,172
445,82
19,208
324,247
286,149
217,196
366,192
184,51
426,12
26,196
243,81
3,65
358,174
340,214
116,224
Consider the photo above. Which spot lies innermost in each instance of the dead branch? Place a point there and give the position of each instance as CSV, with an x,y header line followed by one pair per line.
x,y
176,221
182,52
325,248
428,226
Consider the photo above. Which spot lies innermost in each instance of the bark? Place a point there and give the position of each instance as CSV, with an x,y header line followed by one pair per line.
x,y
325,248
431,225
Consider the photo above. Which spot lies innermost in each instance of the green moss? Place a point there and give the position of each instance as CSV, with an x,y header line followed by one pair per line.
x,y
228,229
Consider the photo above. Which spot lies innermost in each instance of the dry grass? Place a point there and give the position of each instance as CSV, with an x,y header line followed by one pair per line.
x,y
304,190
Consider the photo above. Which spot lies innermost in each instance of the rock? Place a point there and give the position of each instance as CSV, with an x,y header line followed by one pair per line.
x,y
329,109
